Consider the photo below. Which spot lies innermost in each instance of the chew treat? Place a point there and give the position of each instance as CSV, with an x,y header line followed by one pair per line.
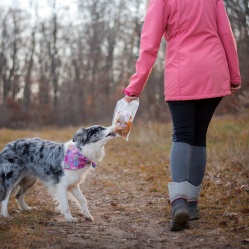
x,y
122,128
123,117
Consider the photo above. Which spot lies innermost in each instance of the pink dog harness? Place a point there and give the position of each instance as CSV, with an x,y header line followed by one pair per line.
x,y
73,159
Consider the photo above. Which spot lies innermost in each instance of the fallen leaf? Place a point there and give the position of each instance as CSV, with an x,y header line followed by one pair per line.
x,y
245,241
114,204
149,203
230,215
245,211
223,223
150,179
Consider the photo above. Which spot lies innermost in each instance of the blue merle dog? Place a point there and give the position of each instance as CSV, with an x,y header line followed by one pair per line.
x,y
60,166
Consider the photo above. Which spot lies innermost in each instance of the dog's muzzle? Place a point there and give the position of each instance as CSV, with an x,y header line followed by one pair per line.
x,y
111,134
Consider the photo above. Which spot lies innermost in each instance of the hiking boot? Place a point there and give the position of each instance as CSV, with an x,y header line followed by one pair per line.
x,y
180,215
193,196
193,210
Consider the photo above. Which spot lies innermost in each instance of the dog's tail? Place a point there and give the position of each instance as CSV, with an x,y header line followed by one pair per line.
x,y
3,178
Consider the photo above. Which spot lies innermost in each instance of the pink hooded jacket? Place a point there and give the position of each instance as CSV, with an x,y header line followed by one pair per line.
x,y
201,56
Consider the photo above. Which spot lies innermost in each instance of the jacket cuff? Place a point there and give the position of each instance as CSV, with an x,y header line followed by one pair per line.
x,y
235,82
126,92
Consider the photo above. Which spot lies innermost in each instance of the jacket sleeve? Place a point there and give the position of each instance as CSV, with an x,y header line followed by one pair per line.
x,y
151,36
229,44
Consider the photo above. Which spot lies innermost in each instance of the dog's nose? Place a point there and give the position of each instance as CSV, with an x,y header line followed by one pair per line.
x,y
111,134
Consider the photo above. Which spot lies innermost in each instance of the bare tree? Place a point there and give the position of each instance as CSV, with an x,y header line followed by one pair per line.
x,y
29,62
70,68
238,11
54,51
10,45
43,66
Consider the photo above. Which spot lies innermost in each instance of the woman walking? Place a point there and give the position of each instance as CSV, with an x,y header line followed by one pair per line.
x,y
201,68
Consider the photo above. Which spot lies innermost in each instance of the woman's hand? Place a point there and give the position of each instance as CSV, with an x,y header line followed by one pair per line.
x,y
129,98
235,88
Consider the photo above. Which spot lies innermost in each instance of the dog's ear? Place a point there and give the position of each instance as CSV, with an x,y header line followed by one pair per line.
x,y
80,136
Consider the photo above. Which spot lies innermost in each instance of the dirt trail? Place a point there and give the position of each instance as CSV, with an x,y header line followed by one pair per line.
x,y
128,215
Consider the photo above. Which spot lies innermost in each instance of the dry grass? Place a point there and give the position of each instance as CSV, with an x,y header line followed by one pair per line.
x,y
130,186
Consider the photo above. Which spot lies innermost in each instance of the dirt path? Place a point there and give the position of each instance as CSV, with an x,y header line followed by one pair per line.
x,y
128,215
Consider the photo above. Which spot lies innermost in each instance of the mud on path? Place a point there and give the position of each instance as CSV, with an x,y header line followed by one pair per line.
x,y
127,196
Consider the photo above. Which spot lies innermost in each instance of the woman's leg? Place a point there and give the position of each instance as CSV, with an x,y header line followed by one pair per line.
x,y
188,156
204,111
183,117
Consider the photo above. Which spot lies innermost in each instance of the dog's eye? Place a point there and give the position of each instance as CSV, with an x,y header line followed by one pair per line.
x,y
9,175
10,160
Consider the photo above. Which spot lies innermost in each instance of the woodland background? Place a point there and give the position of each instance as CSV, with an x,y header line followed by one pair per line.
x,y
66,64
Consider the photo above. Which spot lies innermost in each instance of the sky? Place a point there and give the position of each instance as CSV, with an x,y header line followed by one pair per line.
x,y
44,9
26,3
69,7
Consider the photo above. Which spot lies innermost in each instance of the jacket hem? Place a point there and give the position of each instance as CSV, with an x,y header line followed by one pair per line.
x,y
207,96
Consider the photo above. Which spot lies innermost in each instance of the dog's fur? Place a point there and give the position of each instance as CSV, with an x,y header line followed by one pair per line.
x,y
25,160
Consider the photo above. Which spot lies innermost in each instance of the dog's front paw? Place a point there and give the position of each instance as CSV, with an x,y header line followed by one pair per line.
x,y
7,216
89,217
69,218
29,208
72,220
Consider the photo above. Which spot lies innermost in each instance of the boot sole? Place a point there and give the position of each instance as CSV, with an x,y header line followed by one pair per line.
x,y
180,222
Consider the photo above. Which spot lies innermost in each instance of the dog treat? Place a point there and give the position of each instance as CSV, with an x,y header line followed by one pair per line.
x,y
123,127
123,117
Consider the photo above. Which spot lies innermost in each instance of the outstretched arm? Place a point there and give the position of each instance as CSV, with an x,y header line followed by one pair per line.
x,y
152,32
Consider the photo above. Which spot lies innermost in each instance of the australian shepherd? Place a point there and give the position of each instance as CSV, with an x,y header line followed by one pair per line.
x,y
62,167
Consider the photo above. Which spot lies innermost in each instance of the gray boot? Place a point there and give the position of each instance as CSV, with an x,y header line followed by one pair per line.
x,y
178,193
193,196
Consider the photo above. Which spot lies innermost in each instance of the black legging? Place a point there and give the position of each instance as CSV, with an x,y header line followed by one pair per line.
x,y
191,119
